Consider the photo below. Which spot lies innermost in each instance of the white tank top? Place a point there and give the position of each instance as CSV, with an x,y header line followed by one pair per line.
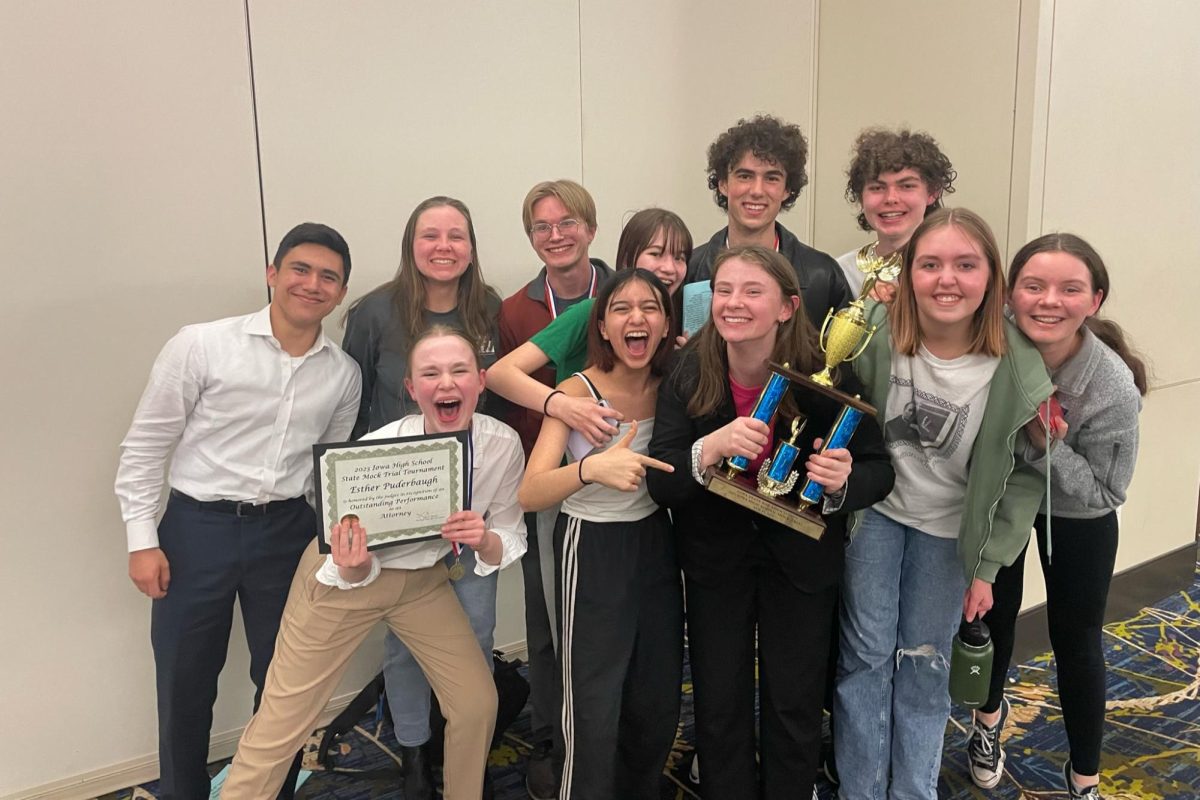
x,y
598,503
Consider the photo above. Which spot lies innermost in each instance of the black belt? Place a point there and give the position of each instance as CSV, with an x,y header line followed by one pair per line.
x,y
240,508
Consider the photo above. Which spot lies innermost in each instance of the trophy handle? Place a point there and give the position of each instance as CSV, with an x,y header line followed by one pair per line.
x,y
823,338
858,351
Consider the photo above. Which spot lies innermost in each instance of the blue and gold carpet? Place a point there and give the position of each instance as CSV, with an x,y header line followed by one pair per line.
x,y
1152,739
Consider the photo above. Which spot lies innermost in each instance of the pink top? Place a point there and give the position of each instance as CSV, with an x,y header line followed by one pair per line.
x,y
744,398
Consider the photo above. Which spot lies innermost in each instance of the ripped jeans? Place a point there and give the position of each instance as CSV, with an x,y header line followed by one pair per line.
x,y
901,602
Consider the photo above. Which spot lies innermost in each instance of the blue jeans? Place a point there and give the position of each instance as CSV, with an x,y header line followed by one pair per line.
x,y
901,604
407,689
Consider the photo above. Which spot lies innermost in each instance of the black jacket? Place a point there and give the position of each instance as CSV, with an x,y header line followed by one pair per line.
x,y
822,283
715,535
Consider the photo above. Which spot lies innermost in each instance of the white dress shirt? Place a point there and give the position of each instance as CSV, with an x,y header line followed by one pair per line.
x,y
498,464
242,415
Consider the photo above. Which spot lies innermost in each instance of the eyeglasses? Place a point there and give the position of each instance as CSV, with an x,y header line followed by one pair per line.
x,y
565,228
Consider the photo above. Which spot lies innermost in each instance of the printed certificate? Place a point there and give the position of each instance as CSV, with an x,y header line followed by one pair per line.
x,y
402,489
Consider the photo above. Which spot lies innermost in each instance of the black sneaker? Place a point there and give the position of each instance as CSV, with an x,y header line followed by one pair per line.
x,y
541,780
985,756
1074,793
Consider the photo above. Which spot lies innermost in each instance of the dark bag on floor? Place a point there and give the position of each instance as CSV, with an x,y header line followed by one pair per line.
x,y
512,689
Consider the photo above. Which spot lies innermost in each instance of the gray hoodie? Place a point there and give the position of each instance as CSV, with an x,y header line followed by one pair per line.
x,y
1091,468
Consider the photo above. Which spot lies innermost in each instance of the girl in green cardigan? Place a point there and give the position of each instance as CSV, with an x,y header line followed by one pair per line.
x,y
954,384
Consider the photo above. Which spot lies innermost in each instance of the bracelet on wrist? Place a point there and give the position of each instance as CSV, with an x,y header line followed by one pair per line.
x,y
581,478
546,402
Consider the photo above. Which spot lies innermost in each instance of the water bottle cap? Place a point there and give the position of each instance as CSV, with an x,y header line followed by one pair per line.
x,y
974,634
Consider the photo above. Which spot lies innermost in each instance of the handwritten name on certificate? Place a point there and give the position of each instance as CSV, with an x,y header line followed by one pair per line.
x,y
401,490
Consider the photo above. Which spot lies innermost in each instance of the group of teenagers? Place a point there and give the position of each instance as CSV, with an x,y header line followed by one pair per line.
x,y
1005,406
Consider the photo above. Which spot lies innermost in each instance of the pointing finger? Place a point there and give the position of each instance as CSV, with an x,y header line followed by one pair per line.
x,y
656,464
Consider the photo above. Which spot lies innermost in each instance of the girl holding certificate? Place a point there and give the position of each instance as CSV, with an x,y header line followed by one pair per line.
x,y
620,606
336,599
756,590
1056,286
954,385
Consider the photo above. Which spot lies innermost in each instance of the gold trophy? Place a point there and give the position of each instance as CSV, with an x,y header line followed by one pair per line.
x,y
844,337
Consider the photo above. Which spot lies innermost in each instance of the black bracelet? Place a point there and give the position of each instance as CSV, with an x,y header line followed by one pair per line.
x,y
581,480
546,402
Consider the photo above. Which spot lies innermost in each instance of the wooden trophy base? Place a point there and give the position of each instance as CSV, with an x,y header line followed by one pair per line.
x,y
777,509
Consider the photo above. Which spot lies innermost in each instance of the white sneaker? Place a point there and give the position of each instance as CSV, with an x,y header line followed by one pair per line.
x,y
694,772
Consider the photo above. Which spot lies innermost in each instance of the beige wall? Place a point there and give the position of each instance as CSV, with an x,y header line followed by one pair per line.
x,y
129,206
941,66
1121,168
657,91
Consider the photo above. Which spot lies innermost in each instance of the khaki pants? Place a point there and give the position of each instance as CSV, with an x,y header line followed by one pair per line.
x,y
322,627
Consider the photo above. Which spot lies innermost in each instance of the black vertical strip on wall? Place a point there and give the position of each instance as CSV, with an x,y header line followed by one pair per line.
x,y
262,204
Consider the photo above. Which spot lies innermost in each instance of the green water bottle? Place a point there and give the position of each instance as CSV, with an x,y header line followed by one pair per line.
x,y
971,664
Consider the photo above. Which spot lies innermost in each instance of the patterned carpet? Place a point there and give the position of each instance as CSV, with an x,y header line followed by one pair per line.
x,y
1152,744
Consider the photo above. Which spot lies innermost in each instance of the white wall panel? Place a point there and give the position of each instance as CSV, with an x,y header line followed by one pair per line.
x,y
368,108
1122,170
128,207
662,80
945,67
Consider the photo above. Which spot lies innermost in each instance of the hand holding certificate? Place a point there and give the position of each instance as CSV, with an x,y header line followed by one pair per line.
x,y
399,490
348,544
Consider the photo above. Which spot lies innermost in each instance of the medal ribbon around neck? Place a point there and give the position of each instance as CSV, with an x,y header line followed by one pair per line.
x,y
591,292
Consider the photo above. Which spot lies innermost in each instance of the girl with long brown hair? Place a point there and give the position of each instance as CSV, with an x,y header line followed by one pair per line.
x,y
439,282
756,590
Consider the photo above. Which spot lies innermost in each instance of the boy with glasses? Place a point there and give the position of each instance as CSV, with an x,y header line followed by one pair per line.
x,y
560,220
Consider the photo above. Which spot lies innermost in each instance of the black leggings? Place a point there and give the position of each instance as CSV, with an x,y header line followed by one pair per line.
x,y
1077,579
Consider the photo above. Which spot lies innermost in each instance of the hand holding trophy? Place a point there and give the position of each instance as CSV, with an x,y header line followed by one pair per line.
x,y
844,336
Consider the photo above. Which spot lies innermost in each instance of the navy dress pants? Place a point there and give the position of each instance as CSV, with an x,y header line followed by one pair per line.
x,y
216,556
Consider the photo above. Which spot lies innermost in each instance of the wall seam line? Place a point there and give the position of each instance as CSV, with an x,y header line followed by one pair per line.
x,y
262,202
579,40
1049,103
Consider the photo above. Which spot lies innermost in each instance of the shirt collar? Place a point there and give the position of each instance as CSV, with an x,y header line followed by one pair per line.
x,y
536,288
259,324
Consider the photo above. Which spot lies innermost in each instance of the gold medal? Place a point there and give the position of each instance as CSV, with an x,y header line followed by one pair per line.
x,y
457,570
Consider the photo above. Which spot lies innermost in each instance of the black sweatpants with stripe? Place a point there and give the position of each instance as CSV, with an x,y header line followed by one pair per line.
x,y
621,647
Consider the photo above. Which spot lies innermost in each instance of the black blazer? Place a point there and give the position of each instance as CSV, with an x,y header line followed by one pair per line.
x,y
714,535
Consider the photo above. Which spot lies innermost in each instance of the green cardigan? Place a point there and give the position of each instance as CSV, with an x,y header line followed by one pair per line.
x,y
1003,493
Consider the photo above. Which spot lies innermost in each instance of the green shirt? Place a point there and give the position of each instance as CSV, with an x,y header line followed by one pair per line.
x,y
564,341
